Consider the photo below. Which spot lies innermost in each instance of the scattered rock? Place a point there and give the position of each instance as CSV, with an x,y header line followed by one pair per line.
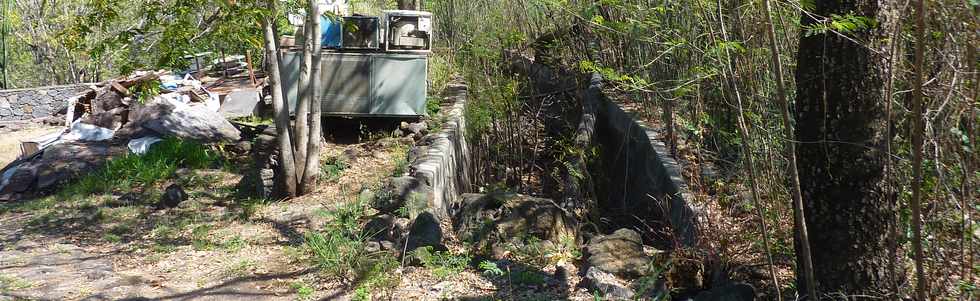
x,y
172,196
425,232
418,129
372,247
388,246
611,287
487,219
620,253
379,227
731,291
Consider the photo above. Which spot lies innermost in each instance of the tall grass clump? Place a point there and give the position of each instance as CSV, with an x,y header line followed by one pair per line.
x,y
339,252
158,163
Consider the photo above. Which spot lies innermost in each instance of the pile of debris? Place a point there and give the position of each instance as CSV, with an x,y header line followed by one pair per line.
x,y
125,114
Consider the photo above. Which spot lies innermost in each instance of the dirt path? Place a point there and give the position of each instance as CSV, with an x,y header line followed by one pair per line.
x,y
214,246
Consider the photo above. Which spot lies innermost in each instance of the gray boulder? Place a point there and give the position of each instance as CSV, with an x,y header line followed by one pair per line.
x,y
425,232
608,285
620,253
485,220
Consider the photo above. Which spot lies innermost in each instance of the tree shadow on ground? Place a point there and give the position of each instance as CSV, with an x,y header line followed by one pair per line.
x,y
226,288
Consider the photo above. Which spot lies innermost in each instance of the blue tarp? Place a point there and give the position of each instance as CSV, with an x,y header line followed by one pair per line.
x,y
331,32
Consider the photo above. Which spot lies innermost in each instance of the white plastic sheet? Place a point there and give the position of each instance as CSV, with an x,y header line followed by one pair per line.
x,y
87,132
140,146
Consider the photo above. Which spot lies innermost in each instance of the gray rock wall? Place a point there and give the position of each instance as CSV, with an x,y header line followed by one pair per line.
x,y
32,103
639,181
443,158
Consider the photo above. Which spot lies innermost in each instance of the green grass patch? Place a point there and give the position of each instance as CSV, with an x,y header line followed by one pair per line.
x,y
339,252
200,238
303,291
442,264
157,164
10,283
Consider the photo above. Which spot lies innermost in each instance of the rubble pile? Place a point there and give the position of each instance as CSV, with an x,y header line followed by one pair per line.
x,y
112,118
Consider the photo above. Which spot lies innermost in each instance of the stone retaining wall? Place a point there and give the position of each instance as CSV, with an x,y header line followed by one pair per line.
x,y
640,182
443,158
32,103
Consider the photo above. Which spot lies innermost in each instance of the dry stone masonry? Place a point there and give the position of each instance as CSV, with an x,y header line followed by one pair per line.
x,y
33,103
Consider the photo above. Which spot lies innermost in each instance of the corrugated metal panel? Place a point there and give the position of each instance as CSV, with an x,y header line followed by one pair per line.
x,y
399,84
364,84
346,81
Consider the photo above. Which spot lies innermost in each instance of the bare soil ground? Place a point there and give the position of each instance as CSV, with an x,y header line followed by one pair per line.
x,y
212,247
216,246
10,139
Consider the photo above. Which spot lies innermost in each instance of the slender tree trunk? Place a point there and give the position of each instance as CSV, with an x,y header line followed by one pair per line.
x,y
303,92
749,162
799,219
918,108
840,122
312,163
286,162
966,248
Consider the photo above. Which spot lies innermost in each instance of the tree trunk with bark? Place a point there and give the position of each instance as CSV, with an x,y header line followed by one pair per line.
x,y
286,160
303,93
311,164
841,128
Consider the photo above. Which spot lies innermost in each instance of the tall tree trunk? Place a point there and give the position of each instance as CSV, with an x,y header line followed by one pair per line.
x,y
918,108
312,161
303,92
841,125
799,218
286,162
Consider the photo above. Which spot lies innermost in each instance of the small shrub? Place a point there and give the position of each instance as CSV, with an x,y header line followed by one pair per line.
x,y
415,204
442,264
235,244
199,238
303,291
491,268
146,90
432,106
527,277
333,168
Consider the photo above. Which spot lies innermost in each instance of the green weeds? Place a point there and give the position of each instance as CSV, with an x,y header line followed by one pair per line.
x,y
333,168
159,163
442,264
339,252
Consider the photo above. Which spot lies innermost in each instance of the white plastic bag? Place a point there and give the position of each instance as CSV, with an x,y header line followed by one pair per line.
x,y
140,146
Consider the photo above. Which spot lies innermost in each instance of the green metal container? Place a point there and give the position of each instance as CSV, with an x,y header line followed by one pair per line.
x,y
364,84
